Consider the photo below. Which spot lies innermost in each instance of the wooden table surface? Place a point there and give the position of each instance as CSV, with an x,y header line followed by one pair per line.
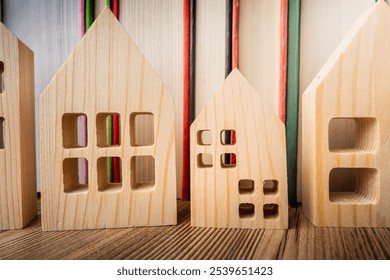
x,y
301,241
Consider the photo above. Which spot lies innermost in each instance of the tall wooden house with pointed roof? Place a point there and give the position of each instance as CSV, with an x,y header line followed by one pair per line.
x,y
238,182
107,75
346,130
18,186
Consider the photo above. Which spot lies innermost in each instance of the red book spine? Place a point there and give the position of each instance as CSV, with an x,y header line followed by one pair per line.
x,y
115,118
115,141
235,22
186,100
115,8
236,10
283,60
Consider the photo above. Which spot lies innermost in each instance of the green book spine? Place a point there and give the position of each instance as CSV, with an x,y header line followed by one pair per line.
x,y
294,10
109,142
88,14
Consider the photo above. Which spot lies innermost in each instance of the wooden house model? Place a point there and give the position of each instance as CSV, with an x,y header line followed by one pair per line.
x,y
238,161
346,130
106,75
18,187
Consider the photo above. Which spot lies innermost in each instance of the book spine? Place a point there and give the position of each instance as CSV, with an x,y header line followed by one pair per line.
x,y
294,10
186,101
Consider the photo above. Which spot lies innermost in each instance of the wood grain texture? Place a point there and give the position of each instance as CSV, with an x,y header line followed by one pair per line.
x,y
50,28
301,241
259,47
17,155
156,27
106,73
324,23
348,185
260,155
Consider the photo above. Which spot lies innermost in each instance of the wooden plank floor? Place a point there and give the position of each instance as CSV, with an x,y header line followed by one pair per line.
x,y
301,241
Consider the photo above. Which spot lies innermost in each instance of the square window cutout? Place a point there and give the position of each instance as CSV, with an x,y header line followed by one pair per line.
x,y
270,211
205,160
204,137
246,210
109,172
228,137
74,130
75,181
353,135
246,186
108,129
143,173
228,160
2,85
354,185
141,129
2,133
270,187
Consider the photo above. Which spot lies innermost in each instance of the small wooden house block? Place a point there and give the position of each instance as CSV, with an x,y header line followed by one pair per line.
x,y
106,75
238,161
18,187
346,130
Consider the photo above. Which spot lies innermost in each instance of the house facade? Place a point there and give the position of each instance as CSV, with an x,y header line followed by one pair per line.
x,y
106,76
346,130
238,161
18,186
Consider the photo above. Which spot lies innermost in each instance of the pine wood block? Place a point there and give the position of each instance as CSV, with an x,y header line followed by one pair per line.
x,y
156,27
18,187
323,25
252,193
107,74
345,169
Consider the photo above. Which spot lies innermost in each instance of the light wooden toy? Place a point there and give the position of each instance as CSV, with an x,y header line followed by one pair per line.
x,y
346,130
107,74
18,187
250,191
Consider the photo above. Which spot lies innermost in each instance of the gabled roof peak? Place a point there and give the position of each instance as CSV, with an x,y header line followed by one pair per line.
x,y
378,10
236,84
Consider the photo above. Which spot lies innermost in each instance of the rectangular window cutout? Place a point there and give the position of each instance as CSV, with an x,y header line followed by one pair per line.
x,y
353,135
227,160
246,186
143,173
108,129
270,211
74,181
205,160
246,210
2,134
83,171
74,130
270,187
109,179
205,137
141,129
2,85
354,185
228,137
